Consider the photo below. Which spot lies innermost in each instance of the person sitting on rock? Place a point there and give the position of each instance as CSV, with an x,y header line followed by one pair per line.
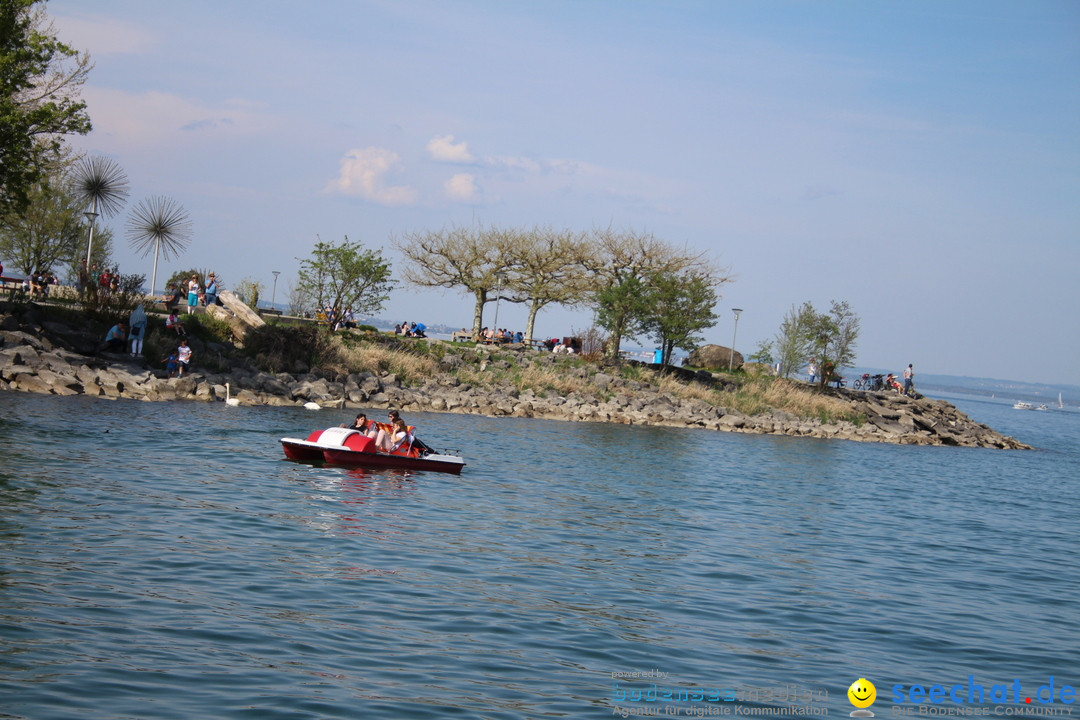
x,y
171,298
37,285
116,338
173,323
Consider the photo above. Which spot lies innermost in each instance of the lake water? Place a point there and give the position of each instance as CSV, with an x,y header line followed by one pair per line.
x,y
165,561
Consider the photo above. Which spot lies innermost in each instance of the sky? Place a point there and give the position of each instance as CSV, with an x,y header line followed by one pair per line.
x,y
918,160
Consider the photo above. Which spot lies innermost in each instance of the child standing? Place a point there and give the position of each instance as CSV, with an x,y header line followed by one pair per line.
x,y
183,357
171,364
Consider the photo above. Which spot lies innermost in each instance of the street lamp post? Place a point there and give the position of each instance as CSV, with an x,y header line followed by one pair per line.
x,y
91,216
273,297
731,357
498,294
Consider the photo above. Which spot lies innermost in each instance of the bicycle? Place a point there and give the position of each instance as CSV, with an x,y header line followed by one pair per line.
x,y
869,382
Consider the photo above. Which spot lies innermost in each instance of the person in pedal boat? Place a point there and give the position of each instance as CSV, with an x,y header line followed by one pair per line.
x,y
395,438
363,425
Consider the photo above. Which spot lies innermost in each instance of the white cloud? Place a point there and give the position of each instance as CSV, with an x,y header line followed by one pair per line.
x,y
461,187
107,36
443,149
363,174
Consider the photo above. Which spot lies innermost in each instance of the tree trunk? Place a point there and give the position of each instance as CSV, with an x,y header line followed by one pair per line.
x,y
534,308
614,342
478,312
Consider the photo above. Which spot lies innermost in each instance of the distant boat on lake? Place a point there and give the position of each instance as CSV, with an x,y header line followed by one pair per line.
x,y
1021,405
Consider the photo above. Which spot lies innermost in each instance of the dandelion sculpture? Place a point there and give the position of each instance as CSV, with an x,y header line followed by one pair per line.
x,y
103,184
159,223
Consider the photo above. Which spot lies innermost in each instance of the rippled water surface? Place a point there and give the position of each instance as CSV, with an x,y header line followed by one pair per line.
x,y
165,561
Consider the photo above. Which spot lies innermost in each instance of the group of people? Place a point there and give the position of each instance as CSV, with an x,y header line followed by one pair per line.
x,y
104,281
909,380
197,293
561,346
414,330
37,285
501,335
133,331
827,370
890,381
388,437
179,360
337,320
129,336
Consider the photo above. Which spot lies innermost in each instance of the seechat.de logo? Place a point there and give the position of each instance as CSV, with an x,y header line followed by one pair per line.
x,y
975,693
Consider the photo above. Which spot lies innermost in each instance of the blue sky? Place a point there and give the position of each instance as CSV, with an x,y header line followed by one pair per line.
x,y
917,159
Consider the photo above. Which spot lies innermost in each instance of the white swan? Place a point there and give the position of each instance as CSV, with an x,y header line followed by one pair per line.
x,y
312,406
229,399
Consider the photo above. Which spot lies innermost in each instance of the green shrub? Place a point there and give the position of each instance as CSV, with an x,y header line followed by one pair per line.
x,y
290,348
207,327
111,306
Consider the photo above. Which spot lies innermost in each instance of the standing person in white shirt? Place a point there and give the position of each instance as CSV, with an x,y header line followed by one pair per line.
x,y
183,357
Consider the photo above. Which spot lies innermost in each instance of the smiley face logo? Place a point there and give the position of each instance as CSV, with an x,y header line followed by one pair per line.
x,y
862,693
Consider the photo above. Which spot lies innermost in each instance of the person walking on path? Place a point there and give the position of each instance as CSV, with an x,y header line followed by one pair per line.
x,y
812,370
909,378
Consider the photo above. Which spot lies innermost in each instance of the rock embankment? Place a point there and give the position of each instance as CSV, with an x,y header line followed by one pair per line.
x,y
39,360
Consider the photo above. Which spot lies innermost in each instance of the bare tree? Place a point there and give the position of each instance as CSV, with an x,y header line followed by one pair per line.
x,y
457,258
543,268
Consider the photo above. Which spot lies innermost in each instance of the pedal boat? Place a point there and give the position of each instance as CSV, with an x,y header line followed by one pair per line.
x,y
344,446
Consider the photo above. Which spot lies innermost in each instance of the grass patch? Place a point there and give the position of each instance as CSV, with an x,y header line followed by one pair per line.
x,y
759,394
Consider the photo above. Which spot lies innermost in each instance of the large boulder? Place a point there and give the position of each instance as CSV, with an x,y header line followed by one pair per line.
x,y
239,316
714,357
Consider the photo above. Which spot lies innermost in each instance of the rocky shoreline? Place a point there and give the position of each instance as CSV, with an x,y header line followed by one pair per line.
x,y
43,358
